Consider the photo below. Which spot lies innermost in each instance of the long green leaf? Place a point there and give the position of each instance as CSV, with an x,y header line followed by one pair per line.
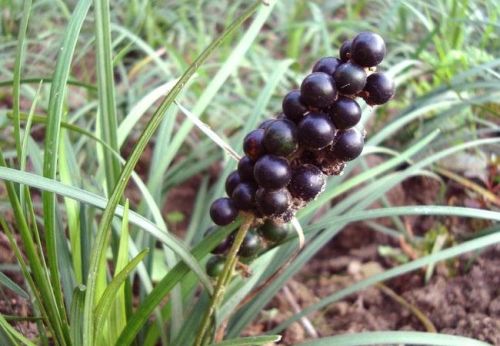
x,y
106,90
108,298
98,250
12,332
11,285
391,338
75,315
56,106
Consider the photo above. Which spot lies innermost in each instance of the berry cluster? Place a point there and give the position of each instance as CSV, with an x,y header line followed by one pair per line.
x,y
288,158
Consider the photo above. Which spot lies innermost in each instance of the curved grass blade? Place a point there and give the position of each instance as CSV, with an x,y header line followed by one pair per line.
x,y
13,333
105,303
454,251
391,338
11,285
55,109
98,249
75,315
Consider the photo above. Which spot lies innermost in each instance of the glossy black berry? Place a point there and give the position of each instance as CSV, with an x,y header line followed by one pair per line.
x,y
345,51
245,168
307,182
272,202
379,89
368,49
215,266
327,65
253,145
223,211
244,196
274,232
345,113
316,131
272,172
350,78
318,90
232,180
293,108
263,125
349,144
223,246
280,138
251,244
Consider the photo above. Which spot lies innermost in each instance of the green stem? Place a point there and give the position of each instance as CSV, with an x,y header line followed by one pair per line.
x,y
224,279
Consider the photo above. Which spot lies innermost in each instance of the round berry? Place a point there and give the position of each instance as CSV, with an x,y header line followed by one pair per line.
x,y
307,182
245,168
263,125
244,196
379,89
349,144
252,144
316,131
251,244
272,172
232,180
345,51
223,211
327,65
274,232
368,49
223,246
345,113
272,202
318,90
215,266
350,78
280,138
293,107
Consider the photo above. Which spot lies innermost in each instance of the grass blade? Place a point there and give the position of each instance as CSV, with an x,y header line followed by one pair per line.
x,y
106,90
75,315
391,338
11,285
56,105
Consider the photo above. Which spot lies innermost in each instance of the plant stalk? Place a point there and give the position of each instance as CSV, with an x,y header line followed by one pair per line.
x,y
223,279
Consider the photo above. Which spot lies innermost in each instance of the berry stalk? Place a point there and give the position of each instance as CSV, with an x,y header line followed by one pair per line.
x,y
224,278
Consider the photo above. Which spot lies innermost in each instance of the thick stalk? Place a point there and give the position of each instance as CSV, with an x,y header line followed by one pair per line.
x,y
223,279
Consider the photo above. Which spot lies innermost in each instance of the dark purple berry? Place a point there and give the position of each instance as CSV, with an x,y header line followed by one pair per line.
x,y
280,138
327,65
251,245
345,113
232,180
272,172
293,107
263,125
379,89
350,78
224,245
368,49
223,211
245,168
252,144
318,90
316,131
345,51
215,266
307,182
272,202
349,144
274,232
244,196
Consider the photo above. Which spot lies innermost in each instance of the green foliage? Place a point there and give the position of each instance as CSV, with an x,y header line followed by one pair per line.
x,y
115,81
